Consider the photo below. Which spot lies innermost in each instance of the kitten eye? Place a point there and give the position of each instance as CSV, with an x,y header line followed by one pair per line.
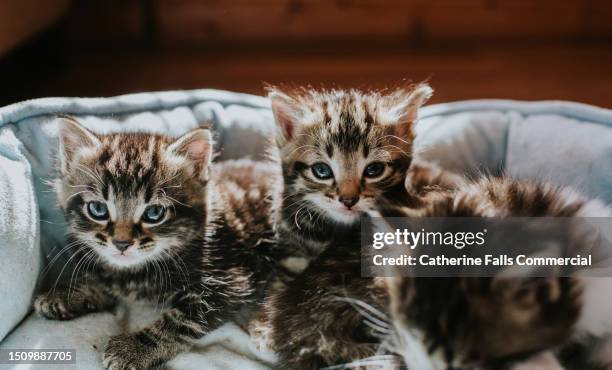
x,y
153,213
374,169
322,171
97,210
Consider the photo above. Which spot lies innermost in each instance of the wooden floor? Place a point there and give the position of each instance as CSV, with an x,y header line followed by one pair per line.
x,y
567,72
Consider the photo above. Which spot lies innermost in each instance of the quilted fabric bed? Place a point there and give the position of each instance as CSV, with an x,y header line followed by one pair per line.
x,y
560,142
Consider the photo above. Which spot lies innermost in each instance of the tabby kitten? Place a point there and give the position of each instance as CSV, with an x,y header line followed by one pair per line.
x,y
498,322
339,149
150,218
331,315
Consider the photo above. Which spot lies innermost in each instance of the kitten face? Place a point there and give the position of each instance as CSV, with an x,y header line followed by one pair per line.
x,y
341,149
132,198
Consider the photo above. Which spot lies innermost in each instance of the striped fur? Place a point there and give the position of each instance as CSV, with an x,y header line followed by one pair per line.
x,y
330,315
346,130
207,259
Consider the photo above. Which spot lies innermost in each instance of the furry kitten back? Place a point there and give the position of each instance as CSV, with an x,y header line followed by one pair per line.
x,y
340,149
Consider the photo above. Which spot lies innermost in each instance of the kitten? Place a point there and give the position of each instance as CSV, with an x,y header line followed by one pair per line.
x,y
339,150
331,315
150,218
494,322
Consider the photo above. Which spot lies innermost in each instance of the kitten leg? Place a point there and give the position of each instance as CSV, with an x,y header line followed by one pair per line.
x,y
260,331
172,334
66,304
346,353
332,338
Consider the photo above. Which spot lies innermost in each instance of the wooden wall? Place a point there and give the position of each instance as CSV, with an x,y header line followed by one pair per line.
x,y
20,20
467,49
413,23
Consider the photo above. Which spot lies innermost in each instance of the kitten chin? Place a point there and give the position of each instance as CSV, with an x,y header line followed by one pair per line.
x,y
138,257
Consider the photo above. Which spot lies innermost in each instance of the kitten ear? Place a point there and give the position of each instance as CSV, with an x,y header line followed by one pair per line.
x,y
285,115
197,147
73,139
406,110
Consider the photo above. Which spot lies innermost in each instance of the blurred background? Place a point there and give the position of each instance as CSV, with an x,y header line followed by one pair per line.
x,y
468,49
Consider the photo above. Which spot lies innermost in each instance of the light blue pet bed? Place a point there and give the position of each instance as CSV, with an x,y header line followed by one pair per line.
x,y
561,142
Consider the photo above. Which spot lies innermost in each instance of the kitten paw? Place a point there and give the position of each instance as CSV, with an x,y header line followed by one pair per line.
x,y
61,305
260,332
126,352
54,307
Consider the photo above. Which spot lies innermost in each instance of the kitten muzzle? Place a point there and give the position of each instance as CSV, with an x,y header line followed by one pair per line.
x,y
349,201
122,245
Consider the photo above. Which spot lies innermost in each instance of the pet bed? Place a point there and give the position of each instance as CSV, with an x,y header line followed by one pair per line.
x,y
561,142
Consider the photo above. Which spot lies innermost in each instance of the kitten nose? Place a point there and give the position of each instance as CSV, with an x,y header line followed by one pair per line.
x,y
122,245
349,201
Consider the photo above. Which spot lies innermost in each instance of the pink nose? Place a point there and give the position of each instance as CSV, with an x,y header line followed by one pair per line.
x,y
122,245
349,201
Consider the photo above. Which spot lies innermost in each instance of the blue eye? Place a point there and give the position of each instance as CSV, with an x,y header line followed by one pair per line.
x,y
153,213
97,210
321,171
374,169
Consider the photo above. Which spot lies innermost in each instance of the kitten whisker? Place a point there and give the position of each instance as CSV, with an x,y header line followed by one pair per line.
x,y
309,147
52,223
295,218
368,311
296,194
91,173
176,201
165,181
182,268
73,278
157,270
299,201
320,214
88,187
395,137
407,344
87,268
76,268
163,191
397,149
380,331
382,362
82,247
77,193
56,256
